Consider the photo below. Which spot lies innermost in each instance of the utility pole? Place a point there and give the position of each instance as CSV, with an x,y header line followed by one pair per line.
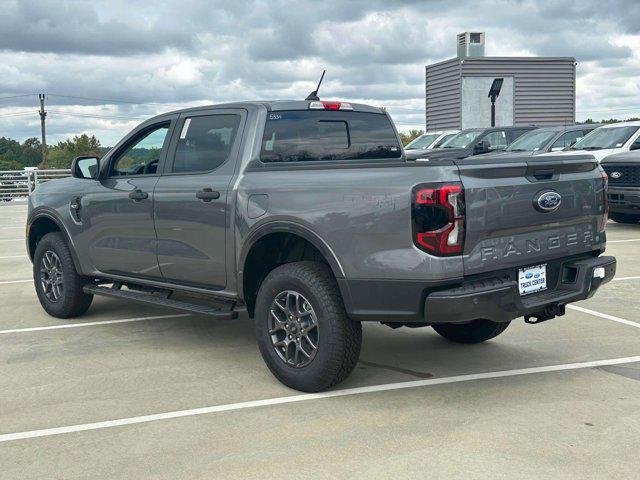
x,y
43,144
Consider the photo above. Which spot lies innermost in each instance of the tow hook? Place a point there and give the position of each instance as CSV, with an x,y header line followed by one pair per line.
x,y
545,314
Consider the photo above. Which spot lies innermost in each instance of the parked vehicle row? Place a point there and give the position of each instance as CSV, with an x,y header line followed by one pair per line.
x,y
307,215
593,139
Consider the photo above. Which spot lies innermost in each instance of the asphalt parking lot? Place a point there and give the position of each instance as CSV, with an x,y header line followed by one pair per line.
x,y
131,391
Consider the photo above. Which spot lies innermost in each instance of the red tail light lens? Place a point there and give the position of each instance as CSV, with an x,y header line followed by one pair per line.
x,y
439,219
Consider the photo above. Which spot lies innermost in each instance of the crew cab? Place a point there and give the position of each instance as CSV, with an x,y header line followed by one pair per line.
x,y
307,216
472,141
623,170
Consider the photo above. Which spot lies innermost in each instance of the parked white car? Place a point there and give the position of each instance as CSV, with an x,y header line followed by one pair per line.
x,y
607,140
430,140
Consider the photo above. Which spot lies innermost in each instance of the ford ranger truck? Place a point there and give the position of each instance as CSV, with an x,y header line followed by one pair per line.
x,y
306,215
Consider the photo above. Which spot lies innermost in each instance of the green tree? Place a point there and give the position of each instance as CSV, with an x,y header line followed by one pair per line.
x,y
409,137
8,164
62,154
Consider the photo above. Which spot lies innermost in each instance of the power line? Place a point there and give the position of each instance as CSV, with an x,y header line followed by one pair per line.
x,y
90,115
17,96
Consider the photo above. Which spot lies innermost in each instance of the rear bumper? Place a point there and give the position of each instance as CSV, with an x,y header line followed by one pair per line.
x,y
498,299
624,199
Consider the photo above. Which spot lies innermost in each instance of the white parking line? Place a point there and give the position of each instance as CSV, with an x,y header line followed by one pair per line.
x,y
90,324
13,256
604,315
8,282
623,241
619,279
11,239
46,432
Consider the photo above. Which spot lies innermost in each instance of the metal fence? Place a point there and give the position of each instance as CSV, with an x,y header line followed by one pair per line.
x,y
20,183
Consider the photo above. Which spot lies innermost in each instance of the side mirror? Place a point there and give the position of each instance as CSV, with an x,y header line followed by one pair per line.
x,y
481,147
85,167
635,146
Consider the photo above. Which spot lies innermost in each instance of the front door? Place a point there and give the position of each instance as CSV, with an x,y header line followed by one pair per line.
x,y
191,214
118,213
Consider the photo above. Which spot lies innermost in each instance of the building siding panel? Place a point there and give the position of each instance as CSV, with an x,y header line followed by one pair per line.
x,y
544,89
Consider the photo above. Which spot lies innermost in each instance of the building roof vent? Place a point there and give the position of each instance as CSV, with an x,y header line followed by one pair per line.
x,y
471,44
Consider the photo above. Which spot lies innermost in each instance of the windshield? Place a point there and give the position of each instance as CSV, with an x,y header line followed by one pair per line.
x,y
611,137
463,139
531,141
422,141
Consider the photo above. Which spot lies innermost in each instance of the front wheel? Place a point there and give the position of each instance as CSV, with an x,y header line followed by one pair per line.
x,y
304,334
476,331
58,285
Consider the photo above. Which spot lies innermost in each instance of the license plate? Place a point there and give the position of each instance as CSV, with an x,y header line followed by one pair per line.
x,y
532,279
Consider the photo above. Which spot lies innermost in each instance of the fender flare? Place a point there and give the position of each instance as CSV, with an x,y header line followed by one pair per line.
x,y
282,226
51,215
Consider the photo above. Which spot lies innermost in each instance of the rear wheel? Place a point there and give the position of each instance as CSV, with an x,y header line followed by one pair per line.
x,y
58,285
476,331
304,334
624,218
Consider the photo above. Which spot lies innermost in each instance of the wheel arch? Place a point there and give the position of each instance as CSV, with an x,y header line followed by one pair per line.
x,y
277,232
41,223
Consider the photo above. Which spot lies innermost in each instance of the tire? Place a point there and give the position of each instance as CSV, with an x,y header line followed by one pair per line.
x,y
476,331
624,218
72,301
336,336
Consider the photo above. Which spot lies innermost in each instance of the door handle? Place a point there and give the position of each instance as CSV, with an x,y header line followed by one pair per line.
x,y
138,195
207,194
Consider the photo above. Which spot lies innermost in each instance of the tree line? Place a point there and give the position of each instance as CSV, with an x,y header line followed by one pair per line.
x,y
16,156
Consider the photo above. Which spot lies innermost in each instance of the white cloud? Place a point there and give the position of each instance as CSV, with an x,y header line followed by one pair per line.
x,y
186,53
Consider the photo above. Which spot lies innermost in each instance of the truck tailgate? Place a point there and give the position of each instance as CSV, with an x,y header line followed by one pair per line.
x,y
510,222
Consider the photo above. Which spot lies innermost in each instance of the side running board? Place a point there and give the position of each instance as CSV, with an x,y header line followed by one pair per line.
x,y
222,313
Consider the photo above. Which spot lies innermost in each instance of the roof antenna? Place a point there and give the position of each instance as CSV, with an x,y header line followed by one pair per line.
x,y
313,96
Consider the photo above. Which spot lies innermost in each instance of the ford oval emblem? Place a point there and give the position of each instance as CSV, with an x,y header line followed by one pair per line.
x,y
616,174
548,201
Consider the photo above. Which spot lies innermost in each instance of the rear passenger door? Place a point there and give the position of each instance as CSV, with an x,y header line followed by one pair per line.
x,y
191,197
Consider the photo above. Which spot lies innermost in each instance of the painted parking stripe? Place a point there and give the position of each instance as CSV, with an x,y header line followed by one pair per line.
x,y
8,282
46,432
623,241
91,324
12,239
604,315
13,256
620,279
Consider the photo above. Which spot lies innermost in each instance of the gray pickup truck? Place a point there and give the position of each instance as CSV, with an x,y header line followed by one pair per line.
x,y
307,215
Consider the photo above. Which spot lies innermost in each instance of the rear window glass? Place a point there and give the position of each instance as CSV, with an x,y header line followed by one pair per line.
x,y
295,136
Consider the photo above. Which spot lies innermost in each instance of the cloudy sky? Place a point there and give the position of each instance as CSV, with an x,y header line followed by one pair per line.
x,y
107,66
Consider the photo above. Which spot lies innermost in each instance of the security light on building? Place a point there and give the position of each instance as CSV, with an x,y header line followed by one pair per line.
x,y
535,90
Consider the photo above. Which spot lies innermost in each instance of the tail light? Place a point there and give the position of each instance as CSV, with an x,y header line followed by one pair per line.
x,y
327,105
605,201
439,218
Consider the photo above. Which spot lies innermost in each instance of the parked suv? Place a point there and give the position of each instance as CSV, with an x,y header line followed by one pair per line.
x,y
306,215
473,141
623,170
430,140
544,140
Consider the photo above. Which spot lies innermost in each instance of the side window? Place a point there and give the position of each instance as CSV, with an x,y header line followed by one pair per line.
x,y
142,156
567,139
496,140
205,142
443,139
